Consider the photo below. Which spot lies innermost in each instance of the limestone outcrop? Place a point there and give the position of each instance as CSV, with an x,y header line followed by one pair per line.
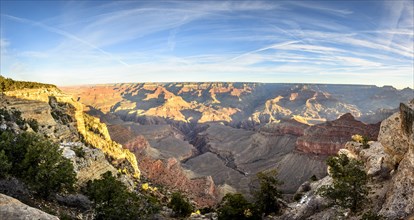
x,y
13,209
56,111
390,164
399,202
88,166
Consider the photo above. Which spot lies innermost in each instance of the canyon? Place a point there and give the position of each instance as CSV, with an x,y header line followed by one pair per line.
x,y
209,139
220,135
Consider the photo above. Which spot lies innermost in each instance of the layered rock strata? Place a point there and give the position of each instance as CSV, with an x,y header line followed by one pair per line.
x,y
45,105
327,138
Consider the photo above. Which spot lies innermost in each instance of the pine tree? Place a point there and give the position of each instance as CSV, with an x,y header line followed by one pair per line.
x,y
180,205
266,198
349,188
113,200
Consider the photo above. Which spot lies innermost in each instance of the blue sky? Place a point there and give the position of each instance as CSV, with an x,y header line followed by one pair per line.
x,y
81,42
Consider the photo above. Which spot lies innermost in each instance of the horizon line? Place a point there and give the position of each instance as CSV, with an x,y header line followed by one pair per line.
x,y
248,82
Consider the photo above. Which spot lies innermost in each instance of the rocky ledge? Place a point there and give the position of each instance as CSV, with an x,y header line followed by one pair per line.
x,y
56,111
390,164
11,209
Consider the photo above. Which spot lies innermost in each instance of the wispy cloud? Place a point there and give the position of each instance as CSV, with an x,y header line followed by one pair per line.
x,y
318,7
64,34
269,41
273,46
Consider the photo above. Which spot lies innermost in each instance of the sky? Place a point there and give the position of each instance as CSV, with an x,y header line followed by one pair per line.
x,y
94,42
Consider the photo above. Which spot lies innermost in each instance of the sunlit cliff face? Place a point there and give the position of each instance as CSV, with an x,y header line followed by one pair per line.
x,y
237,103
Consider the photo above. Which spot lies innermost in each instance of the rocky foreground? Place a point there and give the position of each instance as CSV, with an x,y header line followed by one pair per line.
x,y
11,208
390,164
83,140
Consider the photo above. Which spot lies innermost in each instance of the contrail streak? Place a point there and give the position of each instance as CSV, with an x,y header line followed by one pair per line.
x,y
65,34
273,46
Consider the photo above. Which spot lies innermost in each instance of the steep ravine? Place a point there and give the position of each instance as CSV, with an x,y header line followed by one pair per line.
x,y
201,143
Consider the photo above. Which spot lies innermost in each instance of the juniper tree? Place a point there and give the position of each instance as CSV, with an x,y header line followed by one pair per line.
x,y
266,197
235,206
180,205
349,188
112,199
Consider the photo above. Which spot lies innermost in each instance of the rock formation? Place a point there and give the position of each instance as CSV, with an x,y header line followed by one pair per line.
x,y
196,124
327,138
12,209
234,156
236,103
390,164
48,101
168,116
399,148
83,139
160,149
91,165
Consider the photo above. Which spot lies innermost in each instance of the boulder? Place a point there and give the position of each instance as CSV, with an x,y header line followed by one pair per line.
x,y
13,209
395,135
399,202
75,200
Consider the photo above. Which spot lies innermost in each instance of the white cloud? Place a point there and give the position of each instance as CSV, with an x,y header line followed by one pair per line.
x,y
64,34
353,61
269,42
323,8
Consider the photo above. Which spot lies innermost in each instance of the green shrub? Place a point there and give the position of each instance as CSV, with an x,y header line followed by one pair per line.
x,y
16,116
313,178
370,215
349,188
38,162
33,124
266,197
6,115
65,216
15,148
5,165
13,116
112,199
297,197
235,206
46,170
206,210
180,205
79,151
7,84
